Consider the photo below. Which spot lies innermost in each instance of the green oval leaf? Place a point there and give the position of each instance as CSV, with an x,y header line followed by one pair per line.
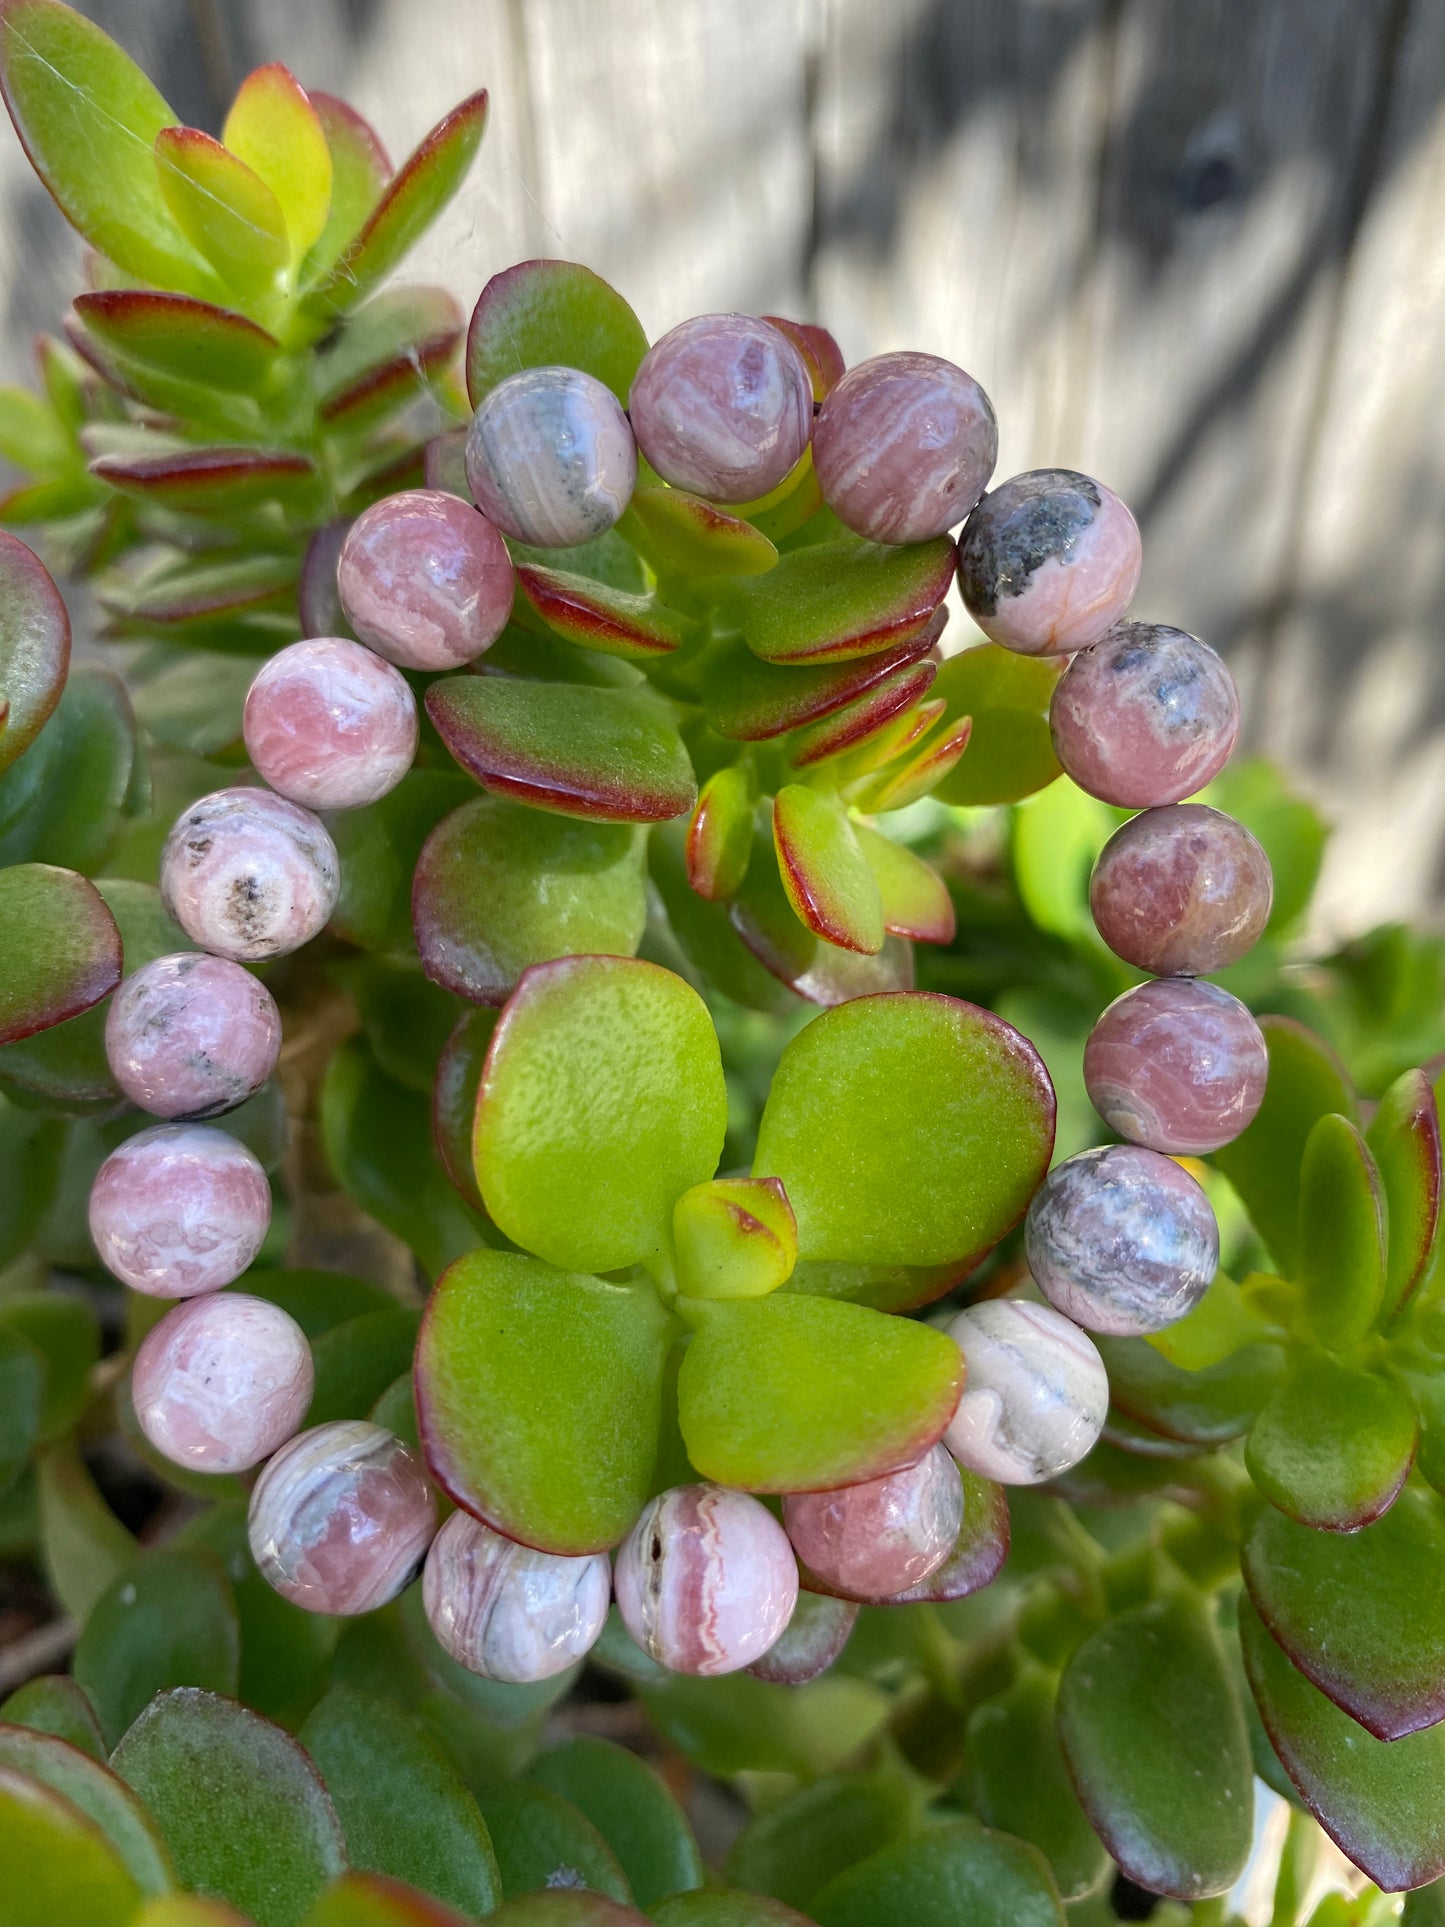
x,y
62,801
66,1334
942,1877
241,1807
168,1620
360,170
1340,1244
1202,1407
719,842
34,643
834,600
602,1101
1333,1446
720,1907
379,847
1011,753
595,616
60,950
627,1802
106,1801
403,1810
915,897
542,314
792,1394
1155,1741
750,701
791,1850
827,877
193,340
54,1704
1017,1781
544,1841
1404,1137
72,1872
226,212
682,535
1351,1611
356,1361
907,1129
538,1394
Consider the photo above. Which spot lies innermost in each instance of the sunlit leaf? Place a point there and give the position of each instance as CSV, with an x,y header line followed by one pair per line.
x,y
1011,753
274,129
72,1872
841,599
59,948
542,314
89,1785
182,336
224,209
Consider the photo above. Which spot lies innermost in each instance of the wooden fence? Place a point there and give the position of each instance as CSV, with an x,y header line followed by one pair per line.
x,y
1194,246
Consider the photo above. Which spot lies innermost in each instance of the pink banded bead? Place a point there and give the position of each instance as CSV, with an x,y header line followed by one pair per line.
x,y
1181,891
723,405
1049,562
424,580
178,1210
706,1580
248,875
190,1036
904,446
1177,1065
506,1611
341,1518
878,1538
222,1381
330,724
1145,716
550,457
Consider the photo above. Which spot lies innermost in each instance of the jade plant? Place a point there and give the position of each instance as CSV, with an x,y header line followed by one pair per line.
x,y
614,1069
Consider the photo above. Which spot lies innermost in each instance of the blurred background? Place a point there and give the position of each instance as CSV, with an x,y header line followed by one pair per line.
x,y
1196,247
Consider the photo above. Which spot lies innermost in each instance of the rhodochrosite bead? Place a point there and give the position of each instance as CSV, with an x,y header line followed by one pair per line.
x,y
1049,562
706,1579
1147,715
330,724
222,1381
883,1536
341,1517
248,875
425,580
1181,891
1176,1065
723,405
508,1612
189,1036
1036,1394
1122,1240
904,447
550,457
179,1209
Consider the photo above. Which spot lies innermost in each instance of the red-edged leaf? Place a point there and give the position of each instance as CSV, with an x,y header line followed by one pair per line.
x,y
208,480
1334,1446
720,834
818,349
173,590
454,1100
606,753
1404,1135
373,391
598,617
34,647
864,717
59,948
824,870
225,211
275,130
367,1900
681,534
840,599
915,897
542,314
896,788
360,169
750,701
190,339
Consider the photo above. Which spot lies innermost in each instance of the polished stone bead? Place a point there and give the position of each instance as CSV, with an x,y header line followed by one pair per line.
x,y
1049,562
1147,715
330,724
1036,1393
222,1382
508,1612
871,1540
1122,1240
550,457
425,580
904,446
706,1580
179,1209
190,1036
1177,1065
248,875
1181,891
723,406
341,1518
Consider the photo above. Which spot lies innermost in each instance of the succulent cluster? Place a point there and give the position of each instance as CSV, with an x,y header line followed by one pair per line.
x,y
964,1513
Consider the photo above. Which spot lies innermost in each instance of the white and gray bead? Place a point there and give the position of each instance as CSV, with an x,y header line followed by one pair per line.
x,y
248,875
1036,1394
550,457
507,1611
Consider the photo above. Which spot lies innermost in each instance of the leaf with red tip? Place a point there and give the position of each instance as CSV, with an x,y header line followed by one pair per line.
x,y
915,897
598,617
385,351
890,744
412,199
819,350
360,169
59,948
1205,1407
909,1129
819,1629
602,1102
542,314
1333,1446
1380,1803
106,1801
376,1900
824,871
500,887
1007,695
192,340
840,599
895,789
750,701
538,1393
787,1394
210,481
34,647
734,1238
863,718
607,753
275,130
681,534
1352,1612
720,834
87,116
454,1100
1404,1135
762,914
225,211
